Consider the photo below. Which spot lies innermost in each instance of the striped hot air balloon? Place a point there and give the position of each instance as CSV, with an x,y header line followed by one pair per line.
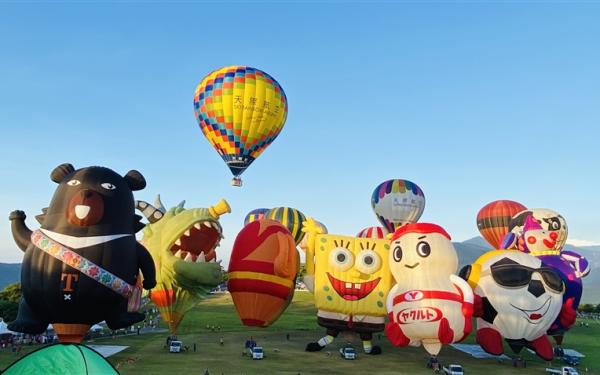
x,y
262,271
493,220
397,202
240,110
291,218
256,214
373,232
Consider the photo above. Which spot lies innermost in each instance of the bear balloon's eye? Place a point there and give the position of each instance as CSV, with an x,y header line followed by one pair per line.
x,y
73,182
108,186
423,249
398,253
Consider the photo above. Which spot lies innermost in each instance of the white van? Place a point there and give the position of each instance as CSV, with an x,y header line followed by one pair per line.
x,y
175,347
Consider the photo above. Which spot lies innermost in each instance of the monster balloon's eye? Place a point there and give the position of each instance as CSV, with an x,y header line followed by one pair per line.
x,y
398,253
341,259
368,262
108,186
73,183
423,249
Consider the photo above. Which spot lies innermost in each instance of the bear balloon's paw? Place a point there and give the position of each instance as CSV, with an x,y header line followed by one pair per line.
x,y
28,326
124,319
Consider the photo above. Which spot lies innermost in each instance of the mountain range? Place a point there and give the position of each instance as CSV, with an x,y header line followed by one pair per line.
x,y
468,251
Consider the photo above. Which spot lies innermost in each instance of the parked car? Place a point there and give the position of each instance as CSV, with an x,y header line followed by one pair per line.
x,y
256,352
348,352
453,370
563,371
175,346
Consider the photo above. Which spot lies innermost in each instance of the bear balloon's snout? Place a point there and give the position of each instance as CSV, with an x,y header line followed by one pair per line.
x,y
86,208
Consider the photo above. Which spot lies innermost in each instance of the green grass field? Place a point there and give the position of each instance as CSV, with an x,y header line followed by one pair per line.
x,y
146,354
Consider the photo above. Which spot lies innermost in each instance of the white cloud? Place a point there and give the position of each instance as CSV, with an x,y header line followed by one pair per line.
x,y
579,243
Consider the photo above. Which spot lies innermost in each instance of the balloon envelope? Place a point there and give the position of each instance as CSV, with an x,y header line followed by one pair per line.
x,y
493,220
262,271
373,232
397,202
240,110
256,214
291,218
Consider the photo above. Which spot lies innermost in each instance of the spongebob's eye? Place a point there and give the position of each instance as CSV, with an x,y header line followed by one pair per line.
x,y
368,262
341,259
108,186
73,183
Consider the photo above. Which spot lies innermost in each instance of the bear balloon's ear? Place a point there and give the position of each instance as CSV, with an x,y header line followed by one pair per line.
x,y
59,173
135,180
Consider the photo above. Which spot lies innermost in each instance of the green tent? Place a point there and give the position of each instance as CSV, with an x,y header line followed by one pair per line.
x,y
62,359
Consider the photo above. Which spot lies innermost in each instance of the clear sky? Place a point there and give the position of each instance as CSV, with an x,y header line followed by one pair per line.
x,y
472,101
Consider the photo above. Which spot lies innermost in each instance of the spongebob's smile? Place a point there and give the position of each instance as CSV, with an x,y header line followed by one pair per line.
x,y
352,291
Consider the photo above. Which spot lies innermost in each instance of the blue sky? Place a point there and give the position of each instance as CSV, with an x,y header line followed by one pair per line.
x,y
472,101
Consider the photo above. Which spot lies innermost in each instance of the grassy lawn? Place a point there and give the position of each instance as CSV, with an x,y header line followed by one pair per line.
x,y
146,354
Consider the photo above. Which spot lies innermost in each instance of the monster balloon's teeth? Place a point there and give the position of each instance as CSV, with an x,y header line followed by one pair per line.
x,y
197,226
186,233
188,257
178,242
201,258
178,254
207,224
348,285
356,286
213,260
215,225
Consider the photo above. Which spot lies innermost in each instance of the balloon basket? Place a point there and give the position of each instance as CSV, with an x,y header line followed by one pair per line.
x,y
72,333
236,181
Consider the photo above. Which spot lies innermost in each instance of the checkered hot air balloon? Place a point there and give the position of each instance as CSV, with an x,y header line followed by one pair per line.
x,y
240,110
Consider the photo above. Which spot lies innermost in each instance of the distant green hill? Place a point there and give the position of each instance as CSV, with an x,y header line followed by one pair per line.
x,y
9,273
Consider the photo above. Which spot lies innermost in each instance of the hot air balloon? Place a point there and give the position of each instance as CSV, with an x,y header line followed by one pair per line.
x,y
551,221
494,218
540,232
262,272
429,304
183,245
256,214
397,202
373,232
349,278
291,218
517,298
81,267
240,110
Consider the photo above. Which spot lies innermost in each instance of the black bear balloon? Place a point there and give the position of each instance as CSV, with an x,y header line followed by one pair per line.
x,y
82,265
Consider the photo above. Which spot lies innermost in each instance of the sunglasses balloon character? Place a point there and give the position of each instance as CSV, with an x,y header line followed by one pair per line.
x,y
517,299
543,239
429,304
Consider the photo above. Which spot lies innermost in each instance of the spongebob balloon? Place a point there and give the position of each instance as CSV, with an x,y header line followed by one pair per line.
x,y
350,279
429,304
